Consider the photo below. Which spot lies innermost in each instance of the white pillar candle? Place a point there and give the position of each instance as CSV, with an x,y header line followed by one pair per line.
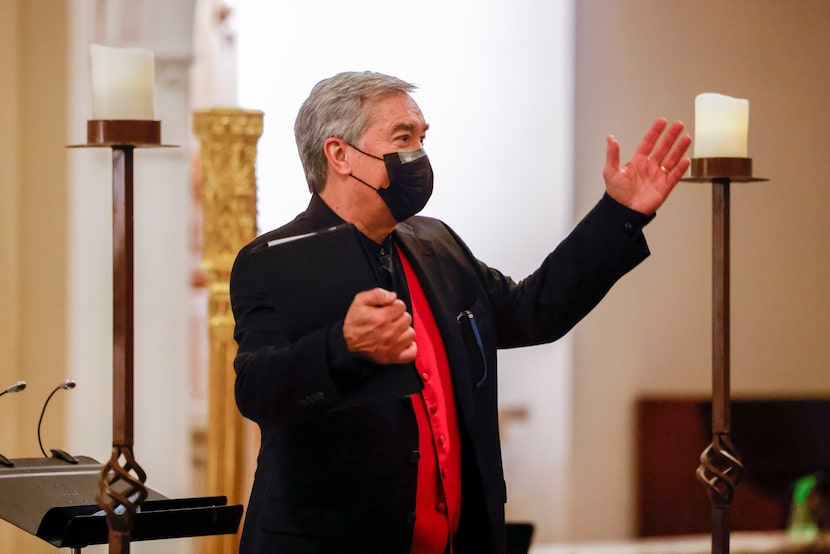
x,y
721,126
122,83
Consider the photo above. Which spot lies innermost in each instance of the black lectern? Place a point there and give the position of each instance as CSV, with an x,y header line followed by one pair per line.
x,y
55,500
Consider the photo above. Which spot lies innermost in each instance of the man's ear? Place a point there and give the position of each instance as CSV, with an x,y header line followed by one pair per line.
x,y
337,155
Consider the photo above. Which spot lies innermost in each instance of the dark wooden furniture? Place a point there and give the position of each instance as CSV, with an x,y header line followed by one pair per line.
x,y
780,440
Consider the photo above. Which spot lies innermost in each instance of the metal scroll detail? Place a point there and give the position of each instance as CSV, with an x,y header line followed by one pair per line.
x,y
720,470
121,490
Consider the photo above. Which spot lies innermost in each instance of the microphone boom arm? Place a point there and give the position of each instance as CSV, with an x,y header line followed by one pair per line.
x,y
56,452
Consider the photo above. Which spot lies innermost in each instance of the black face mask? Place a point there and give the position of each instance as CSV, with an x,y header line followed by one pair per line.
x,y
410,182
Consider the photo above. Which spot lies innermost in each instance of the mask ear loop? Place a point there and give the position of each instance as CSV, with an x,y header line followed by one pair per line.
x,y
365,154
362,181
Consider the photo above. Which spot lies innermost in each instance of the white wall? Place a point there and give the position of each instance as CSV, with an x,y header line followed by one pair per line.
x,y
495,86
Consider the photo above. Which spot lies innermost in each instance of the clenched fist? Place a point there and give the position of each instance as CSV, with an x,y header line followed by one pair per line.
x,y
378,326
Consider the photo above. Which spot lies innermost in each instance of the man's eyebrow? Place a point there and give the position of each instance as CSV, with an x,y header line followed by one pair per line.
x,y
407,126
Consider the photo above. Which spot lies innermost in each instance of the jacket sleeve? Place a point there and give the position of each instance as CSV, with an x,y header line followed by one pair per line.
x,y
572,279
267,383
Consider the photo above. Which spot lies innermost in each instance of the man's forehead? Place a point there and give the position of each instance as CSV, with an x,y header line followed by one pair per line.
x,y
397,113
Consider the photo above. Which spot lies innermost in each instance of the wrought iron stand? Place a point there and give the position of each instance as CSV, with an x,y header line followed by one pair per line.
x,y
121,487
720,464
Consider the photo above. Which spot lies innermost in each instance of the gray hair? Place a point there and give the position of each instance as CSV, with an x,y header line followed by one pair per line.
x,y
340,106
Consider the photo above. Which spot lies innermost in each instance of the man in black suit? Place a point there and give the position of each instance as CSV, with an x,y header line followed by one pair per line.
x,y
361,454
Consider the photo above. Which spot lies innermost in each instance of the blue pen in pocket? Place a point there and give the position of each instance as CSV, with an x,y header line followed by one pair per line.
x,y
468,317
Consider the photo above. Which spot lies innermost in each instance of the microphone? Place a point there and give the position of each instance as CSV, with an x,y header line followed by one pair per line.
x,y
17,387
56,452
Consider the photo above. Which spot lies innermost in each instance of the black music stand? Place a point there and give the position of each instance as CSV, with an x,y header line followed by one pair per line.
x,y
55,500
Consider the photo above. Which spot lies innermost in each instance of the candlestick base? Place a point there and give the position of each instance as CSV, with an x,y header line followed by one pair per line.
x,y
706,170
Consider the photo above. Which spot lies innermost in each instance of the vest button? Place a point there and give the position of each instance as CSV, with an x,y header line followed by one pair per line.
x,y
414,456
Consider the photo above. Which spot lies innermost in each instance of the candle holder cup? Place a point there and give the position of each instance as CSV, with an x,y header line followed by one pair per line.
x,y
707,170
126,132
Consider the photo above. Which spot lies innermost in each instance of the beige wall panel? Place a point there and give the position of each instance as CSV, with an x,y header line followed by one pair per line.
x,y
33,176
640,59
9,185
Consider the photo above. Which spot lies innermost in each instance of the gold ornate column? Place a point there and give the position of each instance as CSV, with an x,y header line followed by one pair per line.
x,y
228,150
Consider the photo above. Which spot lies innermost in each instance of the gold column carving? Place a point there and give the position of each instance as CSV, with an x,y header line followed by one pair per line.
x,y
228,151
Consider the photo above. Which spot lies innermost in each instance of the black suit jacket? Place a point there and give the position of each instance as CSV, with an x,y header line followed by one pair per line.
x,y
337,469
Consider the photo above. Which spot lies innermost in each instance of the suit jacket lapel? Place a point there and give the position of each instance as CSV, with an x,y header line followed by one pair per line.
x,y
437,287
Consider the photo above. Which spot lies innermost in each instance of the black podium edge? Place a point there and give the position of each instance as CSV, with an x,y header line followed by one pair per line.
x,y
81,526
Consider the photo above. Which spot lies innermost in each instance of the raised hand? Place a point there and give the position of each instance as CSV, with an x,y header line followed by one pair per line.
x,y
644,183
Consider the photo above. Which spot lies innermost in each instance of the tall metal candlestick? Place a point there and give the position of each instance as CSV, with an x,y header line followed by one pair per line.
x,y
121,487
720,465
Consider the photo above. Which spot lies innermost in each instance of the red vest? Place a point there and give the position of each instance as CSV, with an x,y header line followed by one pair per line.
x,y
438,501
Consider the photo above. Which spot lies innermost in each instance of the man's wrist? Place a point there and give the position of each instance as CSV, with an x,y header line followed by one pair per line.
x,y
630,220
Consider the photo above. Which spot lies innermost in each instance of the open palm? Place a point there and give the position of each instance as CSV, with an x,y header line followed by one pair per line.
x,y
645,181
